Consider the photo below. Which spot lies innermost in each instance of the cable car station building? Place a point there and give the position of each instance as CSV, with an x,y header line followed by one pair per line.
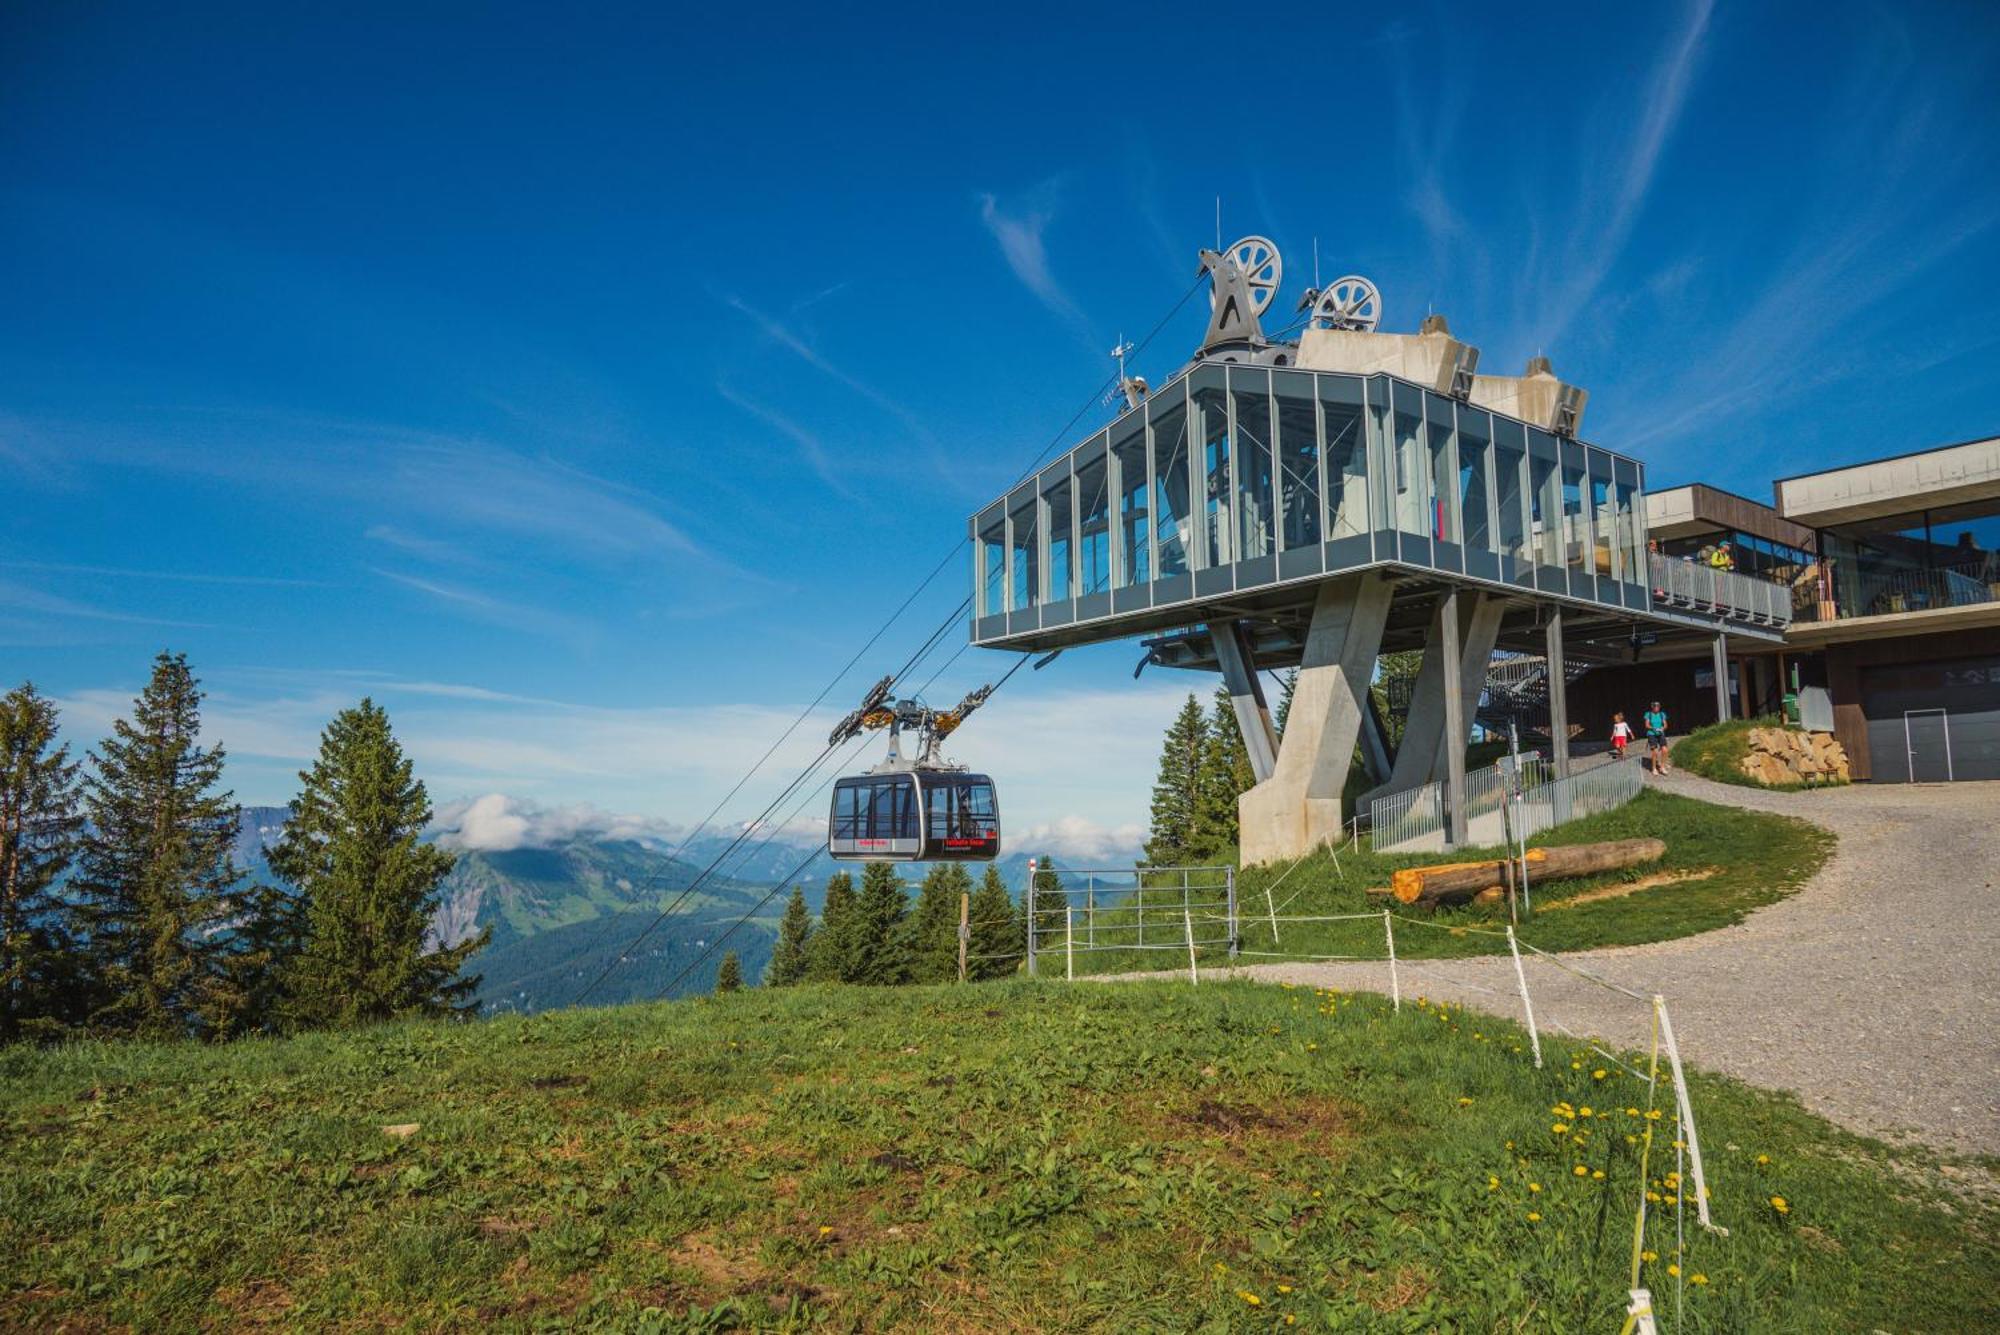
x,y
1319,503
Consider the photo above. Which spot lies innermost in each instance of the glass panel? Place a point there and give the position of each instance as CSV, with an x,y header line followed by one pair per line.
x,y
1631,523
1093,556
1413,500
1298,461
1381,457
1346,457
1057,514
1255,487
1441,432
1510,460
1575,513
1134,522
992,563
1546,498
1170,487
1603,558
1025,569
1212,405
1965,547
1473,429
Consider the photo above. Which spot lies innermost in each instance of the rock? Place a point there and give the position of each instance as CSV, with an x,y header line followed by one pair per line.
x,y
402,1130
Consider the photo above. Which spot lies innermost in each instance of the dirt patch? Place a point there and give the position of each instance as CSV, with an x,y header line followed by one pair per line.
x,y
1620,889
259,1302
1244,1127
1394,1292
720,1272
499,1228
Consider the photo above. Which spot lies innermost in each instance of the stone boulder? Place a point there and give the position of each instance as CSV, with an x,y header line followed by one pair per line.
x,y
1786,757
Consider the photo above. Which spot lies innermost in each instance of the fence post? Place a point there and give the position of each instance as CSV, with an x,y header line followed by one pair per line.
x,y
1521,977
1687,1117
964,931
1090,911
1271,909
1229,881
1139,890
1395,984
1031,917
1069,944
1187,917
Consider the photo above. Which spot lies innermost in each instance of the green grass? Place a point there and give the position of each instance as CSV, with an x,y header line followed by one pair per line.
x,y
1006,1156
1756,858
1717,752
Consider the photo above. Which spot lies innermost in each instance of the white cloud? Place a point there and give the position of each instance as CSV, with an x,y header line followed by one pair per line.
x,y
1074,841
497,823
1020,237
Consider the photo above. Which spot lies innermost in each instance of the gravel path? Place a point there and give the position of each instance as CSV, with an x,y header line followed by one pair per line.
x,y
1873,993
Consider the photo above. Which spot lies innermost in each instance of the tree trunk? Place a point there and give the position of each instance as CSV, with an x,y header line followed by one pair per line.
x,y
1457,882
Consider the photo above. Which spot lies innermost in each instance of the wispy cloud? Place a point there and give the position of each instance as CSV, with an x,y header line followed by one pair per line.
x,y
785,337
1020,231
495,611
173,576
1604,228
434,550
811,448
23,599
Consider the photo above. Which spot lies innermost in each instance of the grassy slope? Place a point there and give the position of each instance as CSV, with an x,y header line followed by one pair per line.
x,y
1717,751
1759,858
1005,1156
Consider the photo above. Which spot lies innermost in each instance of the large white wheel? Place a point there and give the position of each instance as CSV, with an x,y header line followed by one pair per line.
x,y
1263,269
1348,303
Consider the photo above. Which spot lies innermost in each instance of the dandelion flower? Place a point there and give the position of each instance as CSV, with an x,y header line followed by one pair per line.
x,y
1652,1114
1291,1320
1779,1204
1763,1159
825,1229
1697,1278
1534,1216
1492,1182
1284,1288
1631,1112
1584,1111
1599,1073
1597,1174
1580,1171
1649,1257
1534,1186
1249,1297
1464,1102
1673,1269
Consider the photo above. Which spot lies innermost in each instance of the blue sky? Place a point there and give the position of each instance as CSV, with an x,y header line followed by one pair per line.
x,y
585,384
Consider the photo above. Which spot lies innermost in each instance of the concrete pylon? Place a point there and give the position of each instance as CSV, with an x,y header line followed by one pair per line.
x,y
1298,808
1425,754
1246,695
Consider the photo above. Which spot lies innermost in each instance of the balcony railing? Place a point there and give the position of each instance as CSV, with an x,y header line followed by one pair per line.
x,y
1875,593
1724,593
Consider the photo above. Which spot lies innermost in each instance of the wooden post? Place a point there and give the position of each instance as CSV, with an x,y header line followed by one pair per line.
x,y
964,931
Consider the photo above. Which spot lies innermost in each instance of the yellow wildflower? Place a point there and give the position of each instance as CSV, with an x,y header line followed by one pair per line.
x,y
1763,1159
1291,1320
1580,1171
1249,1297
1464,1102
1649,1257
1697,1278
1534,1217
1631,1112
1673,1269
1779,1204
1599,1073
1597,1174
1284,1288
825,1229
1652,1114
1534,1186
1492,1183
1584,1111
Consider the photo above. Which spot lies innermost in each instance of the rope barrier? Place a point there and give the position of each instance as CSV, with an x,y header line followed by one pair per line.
x,y
1586,975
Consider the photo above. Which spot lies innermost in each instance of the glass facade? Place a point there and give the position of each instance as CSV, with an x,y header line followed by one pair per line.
x,y
1235,478
1910,563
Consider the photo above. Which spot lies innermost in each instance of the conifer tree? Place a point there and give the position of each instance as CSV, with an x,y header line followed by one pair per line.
x,y
1225,776
830,953
998,940
789,960
1176,832
729,977
933,924
367,885
881,949
39,825
157,878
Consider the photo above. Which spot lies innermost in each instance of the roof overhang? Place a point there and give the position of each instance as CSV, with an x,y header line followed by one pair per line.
x,y
1930,480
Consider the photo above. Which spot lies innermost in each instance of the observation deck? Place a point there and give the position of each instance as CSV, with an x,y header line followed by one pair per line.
x,y
1235,490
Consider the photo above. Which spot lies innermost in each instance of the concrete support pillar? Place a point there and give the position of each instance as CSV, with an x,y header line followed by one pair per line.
x,y
1721,659
1558,696
1298,808
1376,758
1424,756
1451,657
1246,695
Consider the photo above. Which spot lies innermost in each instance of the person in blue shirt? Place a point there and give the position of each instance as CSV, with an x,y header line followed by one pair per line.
x,y
1656,738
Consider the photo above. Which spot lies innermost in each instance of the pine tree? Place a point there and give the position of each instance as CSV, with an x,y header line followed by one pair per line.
x,y
1225,776
39,824
789,958
729,977
156,883
881,948
367,885
998,940
1176,832
830,953
933,925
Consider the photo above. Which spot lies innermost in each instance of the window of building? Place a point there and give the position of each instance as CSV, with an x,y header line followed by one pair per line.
x,y
1256,488
1298,460
1346,457
992,562
1510,462
1058,513
1475,430
1170,485
1093,556
1025,568
1135,537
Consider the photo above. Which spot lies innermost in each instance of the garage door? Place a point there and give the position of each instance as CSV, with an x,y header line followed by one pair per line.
x,y
1933,721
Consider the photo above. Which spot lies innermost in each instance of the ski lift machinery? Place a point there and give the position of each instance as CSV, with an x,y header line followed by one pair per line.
x,y
925,809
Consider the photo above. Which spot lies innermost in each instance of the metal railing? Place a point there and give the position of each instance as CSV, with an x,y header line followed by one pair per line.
x,y
1888,592
1724,593
1501,803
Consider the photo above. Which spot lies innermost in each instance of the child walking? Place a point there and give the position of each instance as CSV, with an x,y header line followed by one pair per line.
x,y
1621,734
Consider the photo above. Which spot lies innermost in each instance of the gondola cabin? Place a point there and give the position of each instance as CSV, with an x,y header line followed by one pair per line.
x,y
916,815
